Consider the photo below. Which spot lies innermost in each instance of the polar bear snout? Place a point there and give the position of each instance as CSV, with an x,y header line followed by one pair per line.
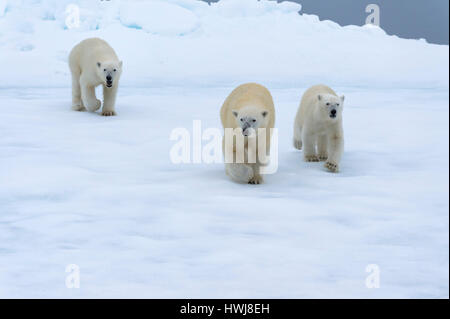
x,y
109,81
246,129
249,131
333,113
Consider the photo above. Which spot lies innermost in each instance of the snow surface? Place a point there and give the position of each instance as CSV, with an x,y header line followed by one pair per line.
x,y
102,193
225,44
152,17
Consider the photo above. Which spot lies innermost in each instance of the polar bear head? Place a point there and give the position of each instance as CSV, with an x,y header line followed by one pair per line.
x,y
109,72
249,119
330,106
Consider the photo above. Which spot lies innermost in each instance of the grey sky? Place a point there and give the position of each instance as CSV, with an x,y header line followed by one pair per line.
x,y
411,19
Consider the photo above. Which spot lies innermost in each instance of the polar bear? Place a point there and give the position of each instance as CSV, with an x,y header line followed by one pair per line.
x,y
92,63
248,117
318,126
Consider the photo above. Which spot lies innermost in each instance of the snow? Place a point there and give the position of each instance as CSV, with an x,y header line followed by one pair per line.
x,y
2,7
102,193
171,42
151,17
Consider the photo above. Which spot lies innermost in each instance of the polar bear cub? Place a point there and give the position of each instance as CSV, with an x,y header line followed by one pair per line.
x,y
92,63
248,117
318,126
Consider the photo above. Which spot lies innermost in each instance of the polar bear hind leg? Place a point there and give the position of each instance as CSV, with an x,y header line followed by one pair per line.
x,y
77,104
298,137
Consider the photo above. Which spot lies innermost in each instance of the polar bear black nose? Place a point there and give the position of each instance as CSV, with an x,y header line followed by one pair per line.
x,y
333,112
108,78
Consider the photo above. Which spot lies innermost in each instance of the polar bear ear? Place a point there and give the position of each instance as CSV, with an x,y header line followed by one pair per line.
x,y
99,64
264,114
120,64
342,98
319,97
234,113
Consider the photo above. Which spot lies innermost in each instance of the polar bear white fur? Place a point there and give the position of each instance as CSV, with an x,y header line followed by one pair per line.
x,y
247,109
92,63
318,126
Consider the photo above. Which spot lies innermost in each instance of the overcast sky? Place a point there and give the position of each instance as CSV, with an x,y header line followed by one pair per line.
x,y
412,19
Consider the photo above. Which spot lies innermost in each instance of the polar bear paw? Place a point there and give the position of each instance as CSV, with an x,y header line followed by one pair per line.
x,y
93,106
322,157
241,173
98,104
332,167
108,113
79,108
311,158
298,144
255,180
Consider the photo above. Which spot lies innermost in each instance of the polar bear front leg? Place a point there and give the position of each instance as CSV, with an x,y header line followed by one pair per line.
x,y
309,146
240,173
257,177
109,100
88,97
335,150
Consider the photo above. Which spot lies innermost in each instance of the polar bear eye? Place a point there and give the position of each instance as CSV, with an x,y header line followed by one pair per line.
x,y
242,120
115,70
328,103
253,120
337,104
104,70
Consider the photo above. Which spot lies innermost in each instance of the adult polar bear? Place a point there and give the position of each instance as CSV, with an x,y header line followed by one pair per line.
x,y
92,63
318,124
248,108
